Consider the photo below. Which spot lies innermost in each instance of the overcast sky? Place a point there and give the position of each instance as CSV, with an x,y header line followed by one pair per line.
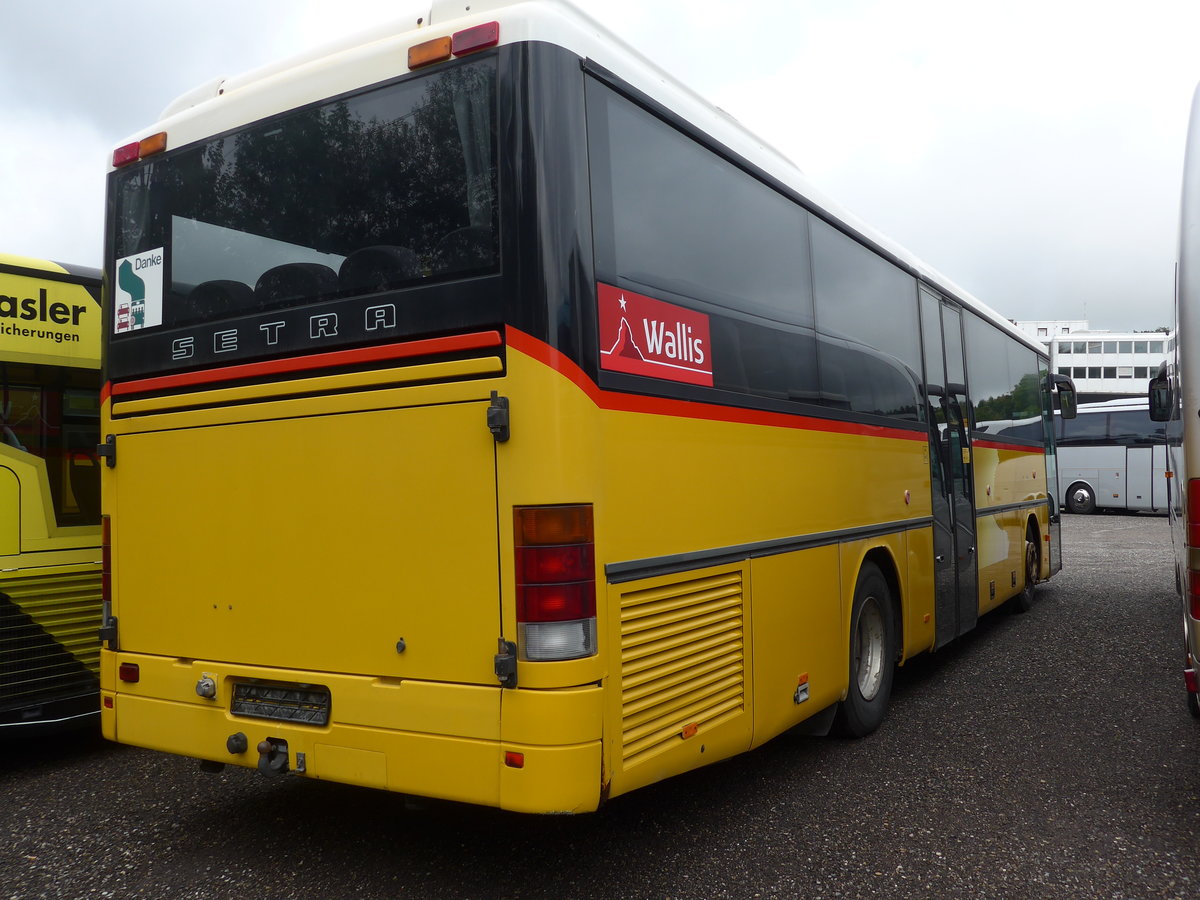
x,y
1029,150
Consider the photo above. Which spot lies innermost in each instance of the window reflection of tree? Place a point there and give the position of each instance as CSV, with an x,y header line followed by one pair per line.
x,y
403,166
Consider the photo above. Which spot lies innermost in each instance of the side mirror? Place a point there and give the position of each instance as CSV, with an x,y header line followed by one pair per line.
x,y
1159,397
1065,388
1066,403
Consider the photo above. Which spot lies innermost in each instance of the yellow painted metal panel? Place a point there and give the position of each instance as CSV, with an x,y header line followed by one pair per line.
x,y
421,764
10,521
273,390
920,621
567,716
797,628
313,543
552,779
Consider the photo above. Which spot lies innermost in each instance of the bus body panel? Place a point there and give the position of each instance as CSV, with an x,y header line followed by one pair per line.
x,y
267,524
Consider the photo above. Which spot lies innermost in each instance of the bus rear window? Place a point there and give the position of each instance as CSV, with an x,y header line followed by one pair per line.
x,y
389,188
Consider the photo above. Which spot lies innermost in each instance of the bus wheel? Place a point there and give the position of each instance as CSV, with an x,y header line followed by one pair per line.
x,y
872,653
1081,499
1023,602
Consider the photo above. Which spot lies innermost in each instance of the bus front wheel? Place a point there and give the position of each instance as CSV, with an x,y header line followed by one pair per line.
x,y
1081,499
872,654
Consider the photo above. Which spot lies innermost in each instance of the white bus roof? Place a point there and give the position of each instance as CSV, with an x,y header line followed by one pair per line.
x,y
380,54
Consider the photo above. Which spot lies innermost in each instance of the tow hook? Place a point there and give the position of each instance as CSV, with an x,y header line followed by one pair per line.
x,y
273,757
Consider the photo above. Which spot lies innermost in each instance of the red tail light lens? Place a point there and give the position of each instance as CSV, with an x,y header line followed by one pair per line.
x,y
549,565
126,154
556,581
556,602
478,37
129,672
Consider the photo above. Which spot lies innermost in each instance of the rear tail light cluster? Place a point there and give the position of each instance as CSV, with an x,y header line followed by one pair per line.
x,y
469,40
131,153
556,582
1193,539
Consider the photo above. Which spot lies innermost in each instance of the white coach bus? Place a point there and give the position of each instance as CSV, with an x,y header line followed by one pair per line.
x,y
1113,456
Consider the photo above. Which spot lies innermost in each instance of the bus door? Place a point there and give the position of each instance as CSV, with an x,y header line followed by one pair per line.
x,y
956,602
1146,476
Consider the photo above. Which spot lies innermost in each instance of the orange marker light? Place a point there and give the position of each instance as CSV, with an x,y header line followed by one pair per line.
x,y
424,54
689,730
156,143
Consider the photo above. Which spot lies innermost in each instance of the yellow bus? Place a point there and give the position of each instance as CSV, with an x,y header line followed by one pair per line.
x,y
49,496
489,418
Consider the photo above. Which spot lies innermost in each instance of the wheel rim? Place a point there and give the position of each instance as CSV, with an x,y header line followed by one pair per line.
x,y
869,641
1080,497
1031,566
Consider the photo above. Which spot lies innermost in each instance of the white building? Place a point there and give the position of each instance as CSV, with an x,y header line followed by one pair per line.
x,y
1104,365
1044,332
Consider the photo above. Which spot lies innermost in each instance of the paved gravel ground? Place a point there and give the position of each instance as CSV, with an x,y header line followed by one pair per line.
x,y
1045,755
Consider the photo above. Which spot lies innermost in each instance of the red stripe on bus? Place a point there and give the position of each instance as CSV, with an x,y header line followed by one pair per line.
x,y
689,409
273,367
1000,445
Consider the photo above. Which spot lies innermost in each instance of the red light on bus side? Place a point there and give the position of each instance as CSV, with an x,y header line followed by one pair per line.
x,y
126,154
477,37
130,672
550,565
556,581
556,602
148,146
514,760
1193,512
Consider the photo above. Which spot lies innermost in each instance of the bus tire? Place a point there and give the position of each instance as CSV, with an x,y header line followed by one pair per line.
x,y
872,655
1081,499
1193,704
1023,602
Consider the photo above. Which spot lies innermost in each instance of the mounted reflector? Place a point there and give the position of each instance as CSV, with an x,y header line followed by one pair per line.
x,y
475,38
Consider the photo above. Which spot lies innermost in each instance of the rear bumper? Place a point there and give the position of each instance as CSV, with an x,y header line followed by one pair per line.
x,y
50,717
428,739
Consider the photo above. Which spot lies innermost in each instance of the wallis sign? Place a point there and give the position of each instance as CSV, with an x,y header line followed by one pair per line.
x,y
643,336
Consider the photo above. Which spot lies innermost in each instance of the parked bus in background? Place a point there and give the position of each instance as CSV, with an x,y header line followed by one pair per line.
x,y
1112,456
513,427
1174,398
49,496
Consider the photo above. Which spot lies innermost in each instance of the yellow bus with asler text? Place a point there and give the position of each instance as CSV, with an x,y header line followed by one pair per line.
x,y
49,496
